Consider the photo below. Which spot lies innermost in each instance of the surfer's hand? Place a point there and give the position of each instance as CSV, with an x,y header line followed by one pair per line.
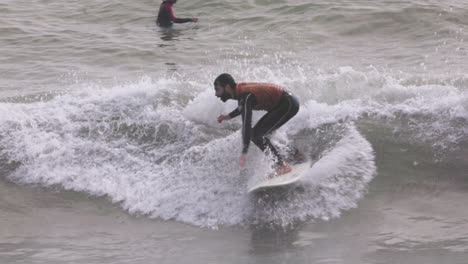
x,y
242,160
194,19
221,118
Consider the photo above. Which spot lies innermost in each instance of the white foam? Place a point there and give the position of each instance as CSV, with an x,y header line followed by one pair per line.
x,y
155,147
333,184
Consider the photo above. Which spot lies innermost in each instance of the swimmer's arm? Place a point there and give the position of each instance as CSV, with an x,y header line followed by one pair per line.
x,y
180,20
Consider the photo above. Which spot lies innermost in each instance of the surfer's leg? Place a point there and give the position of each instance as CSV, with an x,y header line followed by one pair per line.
x,y
286,109
264,143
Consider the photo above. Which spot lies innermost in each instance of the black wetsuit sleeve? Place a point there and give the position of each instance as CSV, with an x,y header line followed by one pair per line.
x,y
235,113
246,104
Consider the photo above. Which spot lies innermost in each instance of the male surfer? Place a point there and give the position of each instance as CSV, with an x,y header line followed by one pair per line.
x,y
166,15
280,105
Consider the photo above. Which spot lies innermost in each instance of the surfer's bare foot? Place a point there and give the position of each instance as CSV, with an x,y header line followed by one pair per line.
x,y
283,169
299,157
296,157
280,170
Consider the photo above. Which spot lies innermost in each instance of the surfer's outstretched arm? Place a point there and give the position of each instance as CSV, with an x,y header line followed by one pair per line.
x,y
231,115
235,113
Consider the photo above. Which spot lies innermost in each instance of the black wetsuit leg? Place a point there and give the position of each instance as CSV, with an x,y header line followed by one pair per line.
x,y
287,107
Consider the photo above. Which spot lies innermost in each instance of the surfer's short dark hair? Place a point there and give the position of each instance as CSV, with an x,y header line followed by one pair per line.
x,y
224,79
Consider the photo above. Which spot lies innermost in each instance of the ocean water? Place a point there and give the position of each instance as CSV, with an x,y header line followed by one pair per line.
x,y
110,151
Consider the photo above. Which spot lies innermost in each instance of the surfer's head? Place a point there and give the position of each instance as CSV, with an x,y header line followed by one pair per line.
x,y
224,86
171,1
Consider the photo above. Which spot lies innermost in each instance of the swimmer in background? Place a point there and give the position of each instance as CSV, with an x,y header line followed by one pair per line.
x,y
166,15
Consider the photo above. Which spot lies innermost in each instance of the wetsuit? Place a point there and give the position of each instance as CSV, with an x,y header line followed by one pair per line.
x,y
166,16
279,104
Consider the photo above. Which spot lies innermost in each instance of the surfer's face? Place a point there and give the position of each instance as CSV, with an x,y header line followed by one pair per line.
x,y
221,92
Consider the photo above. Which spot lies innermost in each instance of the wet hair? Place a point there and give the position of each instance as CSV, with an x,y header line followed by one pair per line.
x,y
224,79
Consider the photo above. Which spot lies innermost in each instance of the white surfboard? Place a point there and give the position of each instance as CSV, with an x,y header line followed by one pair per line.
x,y
284,179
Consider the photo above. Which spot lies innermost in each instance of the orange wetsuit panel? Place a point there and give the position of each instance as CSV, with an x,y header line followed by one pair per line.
x,y
267,95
